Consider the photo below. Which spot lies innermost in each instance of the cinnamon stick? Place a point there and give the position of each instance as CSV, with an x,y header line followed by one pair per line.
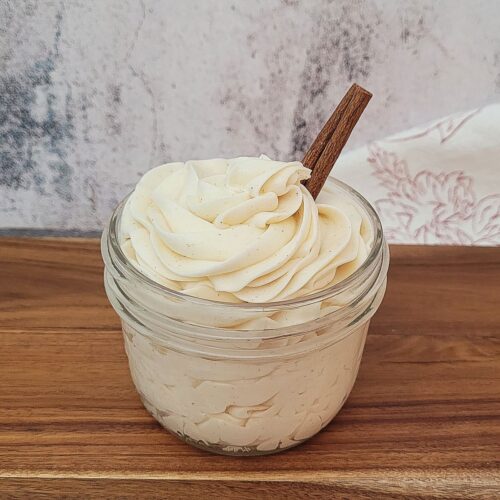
x,y
327,146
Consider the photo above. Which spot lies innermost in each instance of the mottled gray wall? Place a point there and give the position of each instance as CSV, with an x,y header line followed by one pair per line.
x,y
94,92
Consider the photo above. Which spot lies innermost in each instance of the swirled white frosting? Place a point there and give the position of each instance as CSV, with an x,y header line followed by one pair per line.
x,y
241,230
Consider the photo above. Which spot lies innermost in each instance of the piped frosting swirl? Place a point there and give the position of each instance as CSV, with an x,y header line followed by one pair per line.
x,y
241,230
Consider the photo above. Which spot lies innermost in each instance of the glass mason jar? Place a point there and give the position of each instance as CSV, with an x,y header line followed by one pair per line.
x,y
245,392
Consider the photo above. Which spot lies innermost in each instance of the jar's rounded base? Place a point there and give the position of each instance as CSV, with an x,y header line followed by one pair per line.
x,y
218,449
245,451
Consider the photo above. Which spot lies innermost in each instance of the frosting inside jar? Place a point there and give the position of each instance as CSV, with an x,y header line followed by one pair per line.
x,y
241,230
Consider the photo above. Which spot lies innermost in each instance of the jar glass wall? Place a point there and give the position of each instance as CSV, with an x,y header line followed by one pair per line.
x,y
245,379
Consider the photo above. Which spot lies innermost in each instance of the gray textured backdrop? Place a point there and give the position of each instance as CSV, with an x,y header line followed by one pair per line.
x,y
95,92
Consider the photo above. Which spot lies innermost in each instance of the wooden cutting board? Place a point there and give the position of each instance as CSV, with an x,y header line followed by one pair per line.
x,y
423,418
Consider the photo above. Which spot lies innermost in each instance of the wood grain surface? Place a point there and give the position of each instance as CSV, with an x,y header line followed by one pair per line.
x,y
422,421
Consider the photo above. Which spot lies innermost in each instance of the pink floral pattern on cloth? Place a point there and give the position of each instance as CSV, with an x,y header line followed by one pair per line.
x,y
432,206
438,184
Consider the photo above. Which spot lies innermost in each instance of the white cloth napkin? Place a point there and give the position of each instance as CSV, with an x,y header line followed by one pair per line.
x,y
438,184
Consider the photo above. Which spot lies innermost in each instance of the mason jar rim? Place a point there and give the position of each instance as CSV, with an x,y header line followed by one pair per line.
x,y
113,242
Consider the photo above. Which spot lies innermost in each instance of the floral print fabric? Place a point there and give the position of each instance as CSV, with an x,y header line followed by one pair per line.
x,y
438,184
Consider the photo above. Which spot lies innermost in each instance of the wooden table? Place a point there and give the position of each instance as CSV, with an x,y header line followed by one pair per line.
x,y
423,418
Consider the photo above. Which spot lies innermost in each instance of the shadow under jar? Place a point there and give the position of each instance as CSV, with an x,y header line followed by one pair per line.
x,y
245,392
